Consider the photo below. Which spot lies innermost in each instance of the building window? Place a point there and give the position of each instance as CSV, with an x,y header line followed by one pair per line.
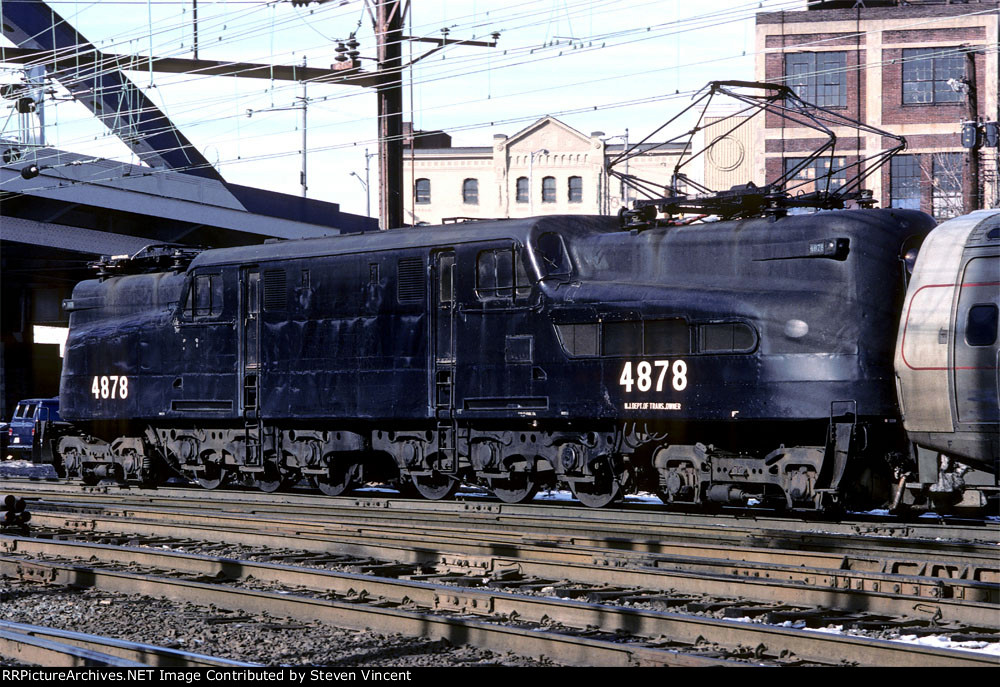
x,y
926,72
423,191
906,182
522,190
549,190
946,197
806,178
576,189
470,192
819,78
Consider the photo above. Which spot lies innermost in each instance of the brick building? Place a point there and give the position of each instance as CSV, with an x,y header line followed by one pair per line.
x,y
895,65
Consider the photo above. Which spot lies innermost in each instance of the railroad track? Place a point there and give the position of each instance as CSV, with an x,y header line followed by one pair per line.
x,y
31,644
577,632
628,582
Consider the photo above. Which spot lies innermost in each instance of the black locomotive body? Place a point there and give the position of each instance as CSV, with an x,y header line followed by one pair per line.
x,y
717,362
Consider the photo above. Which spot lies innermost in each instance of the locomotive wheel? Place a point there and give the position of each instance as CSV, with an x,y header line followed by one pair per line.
x,y
212,476
338,479
88,477
604,490
518,488
599,494
268,481
436,486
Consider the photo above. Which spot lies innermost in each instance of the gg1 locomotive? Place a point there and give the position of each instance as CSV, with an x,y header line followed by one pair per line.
x,y
726,362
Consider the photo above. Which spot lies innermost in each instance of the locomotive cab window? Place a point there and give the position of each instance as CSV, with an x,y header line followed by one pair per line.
x,y
500,274
981,325
553,259
204,297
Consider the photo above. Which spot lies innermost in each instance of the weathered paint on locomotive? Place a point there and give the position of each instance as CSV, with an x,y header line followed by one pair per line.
x,y
514,353
336,341
947,374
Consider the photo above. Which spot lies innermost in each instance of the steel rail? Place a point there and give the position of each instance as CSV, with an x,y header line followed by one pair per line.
x,y
561,518
843,591
770,641
792,579
570,649
53,647
937,559
956,565
28,650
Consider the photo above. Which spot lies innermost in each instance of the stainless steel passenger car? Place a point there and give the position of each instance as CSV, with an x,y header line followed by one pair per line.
x,y
947,357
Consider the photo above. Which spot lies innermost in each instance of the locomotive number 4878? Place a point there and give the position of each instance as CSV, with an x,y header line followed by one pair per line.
x,y
644,371
109,386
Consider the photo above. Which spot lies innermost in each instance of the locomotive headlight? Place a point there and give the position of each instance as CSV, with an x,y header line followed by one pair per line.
x,y
910,259
796,329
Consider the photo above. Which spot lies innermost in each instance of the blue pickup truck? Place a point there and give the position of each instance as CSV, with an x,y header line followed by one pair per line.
x,y
22,428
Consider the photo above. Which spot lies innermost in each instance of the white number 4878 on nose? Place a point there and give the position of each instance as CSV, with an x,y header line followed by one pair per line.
x,y
644,370
110,386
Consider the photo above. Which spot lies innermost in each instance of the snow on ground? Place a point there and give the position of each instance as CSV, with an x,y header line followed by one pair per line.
x,y
936,641
25,468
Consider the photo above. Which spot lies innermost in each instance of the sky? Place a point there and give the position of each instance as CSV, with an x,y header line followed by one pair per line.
x,y
597,65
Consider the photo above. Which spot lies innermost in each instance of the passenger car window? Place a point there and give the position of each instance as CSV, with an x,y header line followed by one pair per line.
x,y
981,325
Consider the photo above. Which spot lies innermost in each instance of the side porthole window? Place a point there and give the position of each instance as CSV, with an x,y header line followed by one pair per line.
x,y
981,325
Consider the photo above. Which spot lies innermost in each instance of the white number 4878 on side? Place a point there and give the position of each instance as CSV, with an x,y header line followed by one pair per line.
x,y
644,370
110,386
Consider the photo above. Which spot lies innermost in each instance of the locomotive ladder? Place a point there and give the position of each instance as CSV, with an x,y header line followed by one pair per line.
x,y
447,445
253,460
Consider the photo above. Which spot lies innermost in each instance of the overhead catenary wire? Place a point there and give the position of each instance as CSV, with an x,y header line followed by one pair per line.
x,y
445,105
867,65
530,47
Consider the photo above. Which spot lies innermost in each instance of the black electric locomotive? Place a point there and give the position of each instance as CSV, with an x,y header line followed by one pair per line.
x,y
723,362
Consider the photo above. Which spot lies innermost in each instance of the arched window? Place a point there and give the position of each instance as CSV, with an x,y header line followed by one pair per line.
x,y
522,190
549,190
470,192
423,191
576,189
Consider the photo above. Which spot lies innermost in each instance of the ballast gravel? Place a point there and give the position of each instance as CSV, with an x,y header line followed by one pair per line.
x,y
219,632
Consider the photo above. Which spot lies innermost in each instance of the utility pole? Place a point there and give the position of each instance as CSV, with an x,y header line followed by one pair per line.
x,y
389,35
305,109
971,195
194,26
